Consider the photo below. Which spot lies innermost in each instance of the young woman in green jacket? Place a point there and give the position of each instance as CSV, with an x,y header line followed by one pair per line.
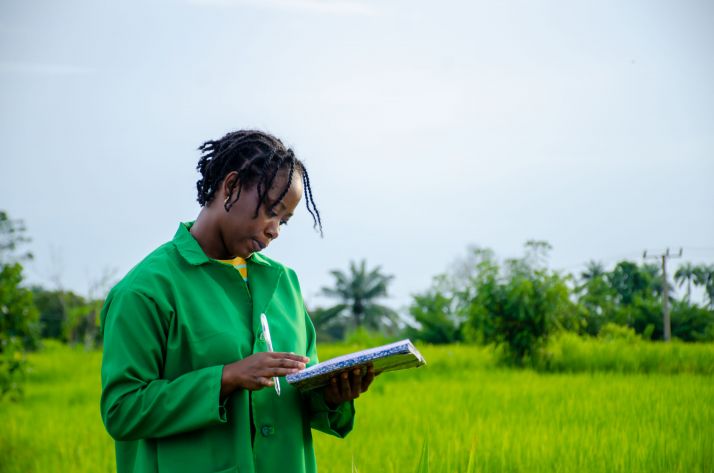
x,y
187,379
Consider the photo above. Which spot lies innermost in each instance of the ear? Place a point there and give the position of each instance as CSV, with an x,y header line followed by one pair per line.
x,y
228,182
224,188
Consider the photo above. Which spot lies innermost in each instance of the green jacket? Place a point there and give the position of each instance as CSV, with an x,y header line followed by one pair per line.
x,y
169,327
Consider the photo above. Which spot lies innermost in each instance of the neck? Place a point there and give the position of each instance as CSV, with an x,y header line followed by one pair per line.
x,y
205,231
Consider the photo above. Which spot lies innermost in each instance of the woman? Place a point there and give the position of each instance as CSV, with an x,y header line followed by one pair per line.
x,y
185,360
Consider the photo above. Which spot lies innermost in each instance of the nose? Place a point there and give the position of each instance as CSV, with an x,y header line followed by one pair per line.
x,y
272,231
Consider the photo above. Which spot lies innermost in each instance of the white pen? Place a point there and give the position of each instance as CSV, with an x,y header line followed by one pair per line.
x,y
269,342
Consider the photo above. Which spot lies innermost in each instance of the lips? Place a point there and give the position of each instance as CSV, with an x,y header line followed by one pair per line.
x,y
258,245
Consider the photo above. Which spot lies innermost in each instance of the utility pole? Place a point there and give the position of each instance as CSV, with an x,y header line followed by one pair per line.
x,y
665,288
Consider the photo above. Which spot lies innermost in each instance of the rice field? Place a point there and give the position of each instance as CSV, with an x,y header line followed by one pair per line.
x,y
473,415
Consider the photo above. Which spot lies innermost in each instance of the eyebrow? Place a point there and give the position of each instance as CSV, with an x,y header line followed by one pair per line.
x,y
281,203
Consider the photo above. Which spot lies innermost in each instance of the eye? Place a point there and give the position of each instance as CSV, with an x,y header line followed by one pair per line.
x,y
283,222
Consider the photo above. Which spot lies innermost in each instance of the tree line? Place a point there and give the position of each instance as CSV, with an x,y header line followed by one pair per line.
x,y
516,303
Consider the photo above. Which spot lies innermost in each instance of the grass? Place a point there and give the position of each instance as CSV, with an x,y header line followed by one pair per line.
x,y
462,411
569,353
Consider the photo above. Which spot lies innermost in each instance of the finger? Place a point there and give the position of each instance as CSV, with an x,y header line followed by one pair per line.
x,y
368,378
356,386
291,356
345,390
286,363
264,381
333,391
277,371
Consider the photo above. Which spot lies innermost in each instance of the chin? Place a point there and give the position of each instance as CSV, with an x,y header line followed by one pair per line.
x,y
245,254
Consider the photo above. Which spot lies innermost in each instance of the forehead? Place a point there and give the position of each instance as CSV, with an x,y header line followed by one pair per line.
x,y
281,181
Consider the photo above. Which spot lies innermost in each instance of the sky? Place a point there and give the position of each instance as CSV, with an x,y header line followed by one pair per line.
x,y
426,127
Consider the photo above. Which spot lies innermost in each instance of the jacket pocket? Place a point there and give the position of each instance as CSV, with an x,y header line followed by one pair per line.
x,y
200,451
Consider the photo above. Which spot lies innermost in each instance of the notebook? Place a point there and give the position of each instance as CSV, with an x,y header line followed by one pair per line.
x,y
394,356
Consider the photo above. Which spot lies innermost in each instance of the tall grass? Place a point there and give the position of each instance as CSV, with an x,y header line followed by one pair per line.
x,y
473,414
477,416
569,353
57,427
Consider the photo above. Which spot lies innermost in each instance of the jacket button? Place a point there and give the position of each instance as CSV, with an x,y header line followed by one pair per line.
x,y
261,337
267,430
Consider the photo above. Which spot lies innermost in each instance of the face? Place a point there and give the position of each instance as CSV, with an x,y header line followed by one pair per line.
x,y
241,231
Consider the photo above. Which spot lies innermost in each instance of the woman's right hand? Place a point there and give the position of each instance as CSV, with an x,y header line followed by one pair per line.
x,y
257,370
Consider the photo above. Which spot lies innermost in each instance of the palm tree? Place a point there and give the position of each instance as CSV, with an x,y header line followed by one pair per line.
x,y
358,290
704,276
686,273
593,270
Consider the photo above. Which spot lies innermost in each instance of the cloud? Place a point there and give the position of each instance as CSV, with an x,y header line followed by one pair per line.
x,y
43,69
335,7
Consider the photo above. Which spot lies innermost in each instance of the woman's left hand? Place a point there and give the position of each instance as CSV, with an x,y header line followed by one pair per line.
x,y
348,386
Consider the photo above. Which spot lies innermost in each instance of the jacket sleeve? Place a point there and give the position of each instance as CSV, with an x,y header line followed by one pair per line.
x,y
136,401
339,421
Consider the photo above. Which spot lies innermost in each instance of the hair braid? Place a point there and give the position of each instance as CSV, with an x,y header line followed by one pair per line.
x,y
257,157
309,200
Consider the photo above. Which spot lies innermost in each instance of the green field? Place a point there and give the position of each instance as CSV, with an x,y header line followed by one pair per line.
x,y
474,415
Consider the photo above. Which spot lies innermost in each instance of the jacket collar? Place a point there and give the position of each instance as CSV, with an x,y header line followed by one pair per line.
x,y
192,252
187,245
262,273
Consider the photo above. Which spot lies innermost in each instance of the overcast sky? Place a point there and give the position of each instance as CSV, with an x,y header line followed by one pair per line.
x,y
426,127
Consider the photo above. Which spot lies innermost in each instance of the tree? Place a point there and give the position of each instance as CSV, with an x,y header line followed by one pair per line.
x,y
441,312
19,329
358,292
437,313
629,280
519,304
686,274
593,270
595,297
704,276
328,326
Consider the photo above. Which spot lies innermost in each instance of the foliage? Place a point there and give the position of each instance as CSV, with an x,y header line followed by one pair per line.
x,y
686,274
596,299
83,324
444,313
631,295
519,303
358,292
692,323
628,281
67,316
516,304
423,465
620,349
53,307
328,325
19,329
12,237
437,313
703,275
527,303
362,337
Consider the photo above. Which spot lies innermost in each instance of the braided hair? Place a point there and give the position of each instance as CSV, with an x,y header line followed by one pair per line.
x,y
257,157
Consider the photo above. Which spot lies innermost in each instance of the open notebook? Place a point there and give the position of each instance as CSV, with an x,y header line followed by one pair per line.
x,y
395,356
